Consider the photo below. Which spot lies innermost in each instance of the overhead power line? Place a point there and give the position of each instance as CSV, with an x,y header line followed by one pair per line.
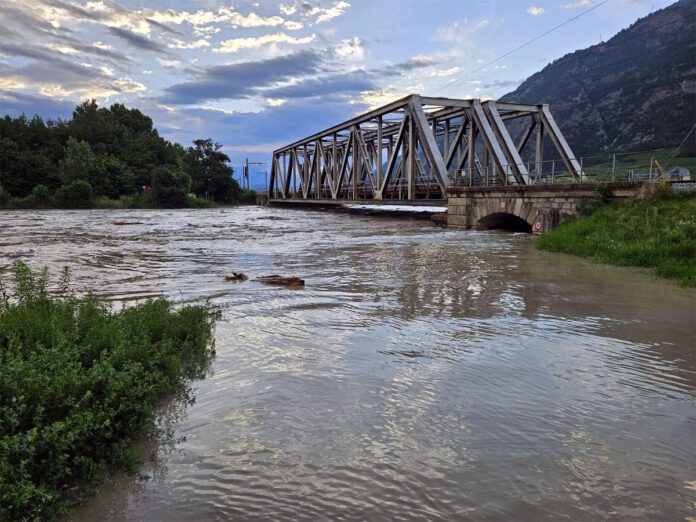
x,y
522,46
680,146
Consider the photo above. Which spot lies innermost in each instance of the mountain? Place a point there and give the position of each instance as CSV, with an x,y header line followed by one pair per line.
x,y
636,91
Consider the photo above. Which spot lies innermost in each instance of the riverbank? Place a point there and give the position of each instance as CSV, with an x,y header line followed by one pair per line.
x,y
41,199
79,383
658,233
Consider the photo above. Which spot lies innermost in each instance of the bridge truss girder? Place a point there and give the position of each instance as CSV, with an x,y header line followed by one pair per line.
x,y
413,148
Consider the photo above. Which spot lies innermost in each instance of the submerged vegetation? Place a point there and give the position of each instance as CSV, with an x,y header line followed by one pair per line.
x,y
108,158
79,381
658,233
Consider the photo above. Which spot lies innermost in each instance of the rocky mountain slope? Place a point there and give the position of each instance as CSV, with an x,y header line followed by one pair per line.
x,y
636,91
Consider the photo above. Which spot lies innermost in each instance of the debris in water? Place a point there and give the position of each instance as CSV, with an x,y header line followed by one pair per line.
x,y
280,280
236,276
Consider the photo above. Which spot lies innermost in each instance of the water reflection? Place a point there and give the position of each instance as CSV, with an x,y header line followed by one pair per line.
x,y
421,374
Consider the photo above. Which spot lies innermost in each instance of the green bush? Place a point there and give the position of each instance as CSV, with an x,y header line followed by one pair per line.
x,y
79,382
192,201
658,233
41,195
140,200
587,207
247,197
4,197
77,194
170,187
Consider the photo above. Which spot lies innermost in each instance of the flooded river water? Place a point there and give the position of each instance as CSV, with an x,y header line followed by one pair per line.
x,y
422,374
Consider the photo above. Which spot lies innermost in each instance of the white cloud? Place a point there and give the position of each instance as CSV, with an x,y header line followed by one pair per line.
x,y
180,44
535,10
288,9
332,12
169,64
579,3
128,85
292,26
235,44
222,15
205,30
120,86
374,99
446,72
350,49
12,82
61,48
461,33
275,102
102,46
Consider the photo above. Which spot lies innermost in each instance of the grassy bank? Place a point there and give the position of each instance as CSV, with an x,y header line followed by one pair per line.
x,y
658,233
79,382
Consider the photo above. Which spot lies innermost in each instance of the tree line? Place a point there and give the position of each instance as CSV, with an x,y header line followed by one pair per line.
x,y
108,155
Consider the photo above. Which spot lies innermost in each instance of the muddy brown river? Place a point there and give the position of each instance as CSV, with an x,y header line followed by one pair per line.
x,y
422,374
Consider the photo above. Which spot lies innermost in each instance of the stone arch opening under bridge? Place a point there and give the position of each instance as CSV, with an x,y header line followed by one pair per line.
x,y
505,221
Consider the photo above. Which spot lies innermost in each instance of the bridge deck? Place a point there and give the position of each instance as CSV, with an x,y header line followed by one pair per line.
x,y
334,202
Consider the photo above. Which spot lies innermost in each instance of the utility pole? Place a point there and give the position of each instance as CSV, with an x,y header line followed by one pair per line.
x,y
245,175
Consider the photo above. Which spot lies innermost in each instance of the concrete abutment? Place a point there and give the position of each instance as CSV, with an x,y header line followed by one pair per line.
x,y
542,207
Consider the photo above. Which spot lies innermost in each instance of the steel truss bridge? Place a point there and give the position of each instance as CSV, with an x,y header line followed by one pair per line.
x,y
416,148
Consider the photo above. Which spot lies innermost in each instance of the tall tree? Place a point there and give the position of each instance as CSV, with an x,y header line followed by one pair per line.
x,y
211,176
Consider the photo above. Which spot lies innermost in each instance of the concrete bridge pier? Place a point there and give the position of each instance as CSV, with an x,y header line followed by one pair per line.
x,y
532,208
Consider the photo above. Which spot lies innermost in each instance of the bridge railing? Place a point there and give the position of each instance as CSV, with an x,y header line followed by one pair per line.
x,y
637,166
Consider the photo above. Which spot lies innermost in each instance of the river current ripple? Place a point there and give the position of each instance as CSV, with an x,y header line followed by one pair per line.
x,y
422,374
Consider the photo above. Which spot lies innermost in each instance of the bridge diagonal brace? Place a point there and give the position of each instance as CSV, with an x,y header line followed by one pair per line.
x,y
560,142
489,138
505,141
392,159
430,148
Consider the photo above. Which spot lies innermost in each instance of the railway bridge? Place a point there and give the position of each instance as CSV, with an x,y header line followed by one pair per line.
x,y
484,160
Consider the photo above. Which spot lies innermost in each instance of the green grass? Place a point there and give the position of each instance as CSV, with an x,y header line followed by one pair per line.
x,y
658,233
79,381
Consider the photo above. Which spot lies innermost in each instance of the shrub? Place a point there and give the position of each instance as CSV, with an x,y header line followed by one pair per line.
x,y
4,197
77,194
587,207
170,187
192,201
40,195
79,382
247,197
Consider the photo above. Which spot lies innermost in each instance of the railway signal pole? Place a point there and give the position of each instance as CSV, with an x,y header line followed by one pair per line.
x,y
245,174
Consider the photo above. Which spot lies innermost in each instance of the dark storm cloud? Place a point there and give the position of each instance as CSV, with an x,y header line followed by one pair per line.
x,y
241,80
346,83
53,67
162,27
23,33
25,51
137,41
407,66
18,19
286,123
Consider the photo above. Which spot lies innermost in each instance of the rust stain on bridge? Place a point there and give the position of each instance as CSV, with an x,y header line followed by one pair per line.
x,y
418,147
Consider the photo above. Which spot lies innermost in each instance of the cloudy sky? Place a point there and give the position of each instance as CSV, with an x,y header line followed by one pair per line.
x,y
254,75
